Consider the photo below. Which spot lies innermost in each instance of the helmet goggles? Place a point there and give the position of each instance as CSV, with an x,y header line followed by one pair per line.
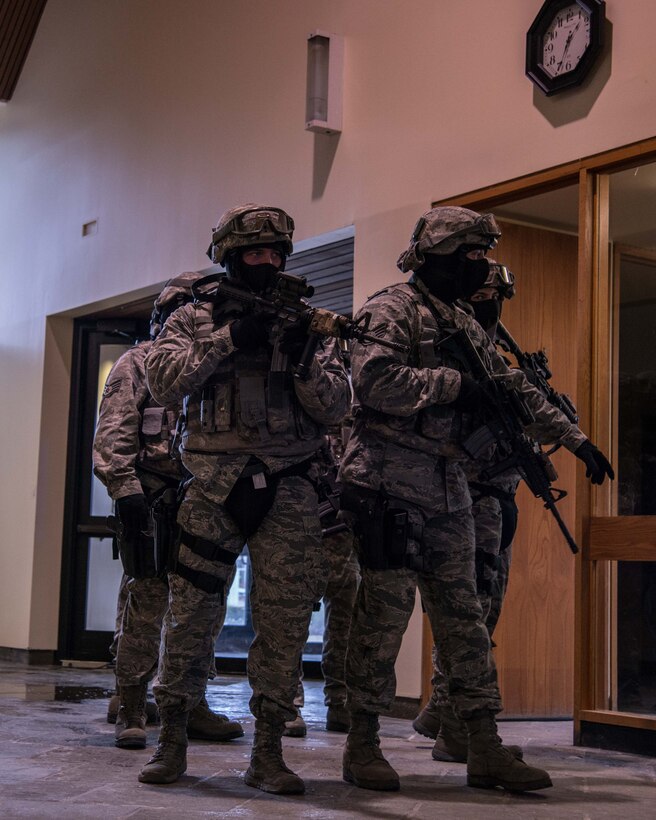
x,y
255,223
484,227
502,278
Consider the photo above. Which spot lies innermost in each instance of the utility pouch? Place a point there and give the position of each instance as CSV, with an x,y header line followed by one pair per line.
x,y
166,531
251,498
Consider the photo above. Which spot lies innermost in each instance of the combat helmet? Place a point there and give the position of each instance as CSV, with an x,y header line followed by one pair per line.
x,y
443,230
251,224
501,278
176,292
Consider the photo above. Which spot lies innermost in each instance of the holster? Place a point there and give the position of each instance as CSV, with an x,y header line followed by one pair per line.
x,y
136,551
166,531
381,528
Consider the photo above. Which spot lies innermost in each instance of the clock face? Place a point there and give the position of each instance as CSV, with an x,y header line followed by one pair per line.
x,y
566,40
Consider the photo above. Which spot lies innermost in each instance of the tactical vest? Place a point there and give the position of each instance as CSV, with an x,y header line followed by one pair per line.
x,y
245,408
438,429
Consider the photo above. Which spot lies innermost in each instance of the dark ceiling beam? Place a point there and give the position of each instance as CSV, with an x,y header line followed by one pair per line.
x,y
19,20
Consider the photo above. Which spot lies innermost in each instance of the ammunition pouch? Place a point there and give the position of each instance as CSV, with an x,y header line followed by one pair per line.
x,y
381,527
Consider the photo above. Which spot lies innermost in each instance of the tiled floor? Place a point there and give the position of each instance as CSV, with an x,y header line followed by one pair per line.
x,y
58,760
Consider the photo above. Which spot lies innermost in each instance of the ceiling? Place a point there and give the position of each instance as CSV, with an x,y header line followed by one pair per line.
x,y
19,20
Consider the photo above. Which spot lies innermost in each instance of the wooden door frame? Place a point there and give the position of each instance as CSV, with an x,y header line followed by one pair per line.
x,y
594,385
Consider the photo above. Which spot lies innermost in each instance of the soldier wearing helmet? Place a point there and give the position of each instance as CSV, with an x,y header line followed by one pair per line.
x,y
252,453
406,492
132,456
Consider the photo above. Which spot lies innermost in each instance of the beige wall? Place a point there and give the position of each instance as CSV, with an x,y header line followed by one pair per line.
x,y
152,116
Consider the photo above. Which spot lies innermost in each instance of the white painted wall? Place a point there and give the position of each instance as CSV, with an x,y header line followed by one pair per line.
x,y
153,116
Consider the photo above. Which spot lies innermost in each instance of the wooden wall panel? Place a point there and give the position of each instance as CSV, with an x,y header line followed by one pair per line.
x,y
535,636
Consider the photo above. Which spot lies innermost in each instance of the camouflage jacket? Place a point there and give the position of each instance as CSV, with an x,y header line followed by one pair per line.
x,y
407,437
132,444
228,417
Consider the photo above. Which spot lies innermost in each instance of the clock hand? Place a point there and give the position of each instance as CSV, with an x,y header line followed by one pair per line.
x,y
567,44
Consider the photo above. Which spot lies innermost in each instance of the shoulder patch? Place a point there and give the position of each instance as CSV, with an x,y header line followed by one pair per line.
x,y
111,388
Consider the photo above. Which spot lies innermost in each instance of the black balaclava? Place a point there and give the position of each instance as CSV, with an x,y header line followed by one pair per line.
x,y
453,276
487,313
257,277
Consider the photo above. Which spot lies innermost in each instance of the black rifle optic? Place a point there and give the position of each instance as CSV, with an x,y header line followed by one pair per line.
x,y
286,302
536,368
506,415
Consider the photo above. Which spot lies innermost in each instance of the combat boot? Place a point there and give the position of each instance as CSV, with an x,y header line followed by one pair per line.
x,y
338,718
204,724
427,722
170,759
152,714
267,770
296,727
491,764
452,742
363,763
130,728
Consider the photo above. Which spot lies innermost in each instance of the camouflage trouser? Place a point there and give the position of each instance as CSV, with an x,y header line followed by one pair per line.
x,y
138,637
499,589
385,602
339,600
343,577
487,528
287,565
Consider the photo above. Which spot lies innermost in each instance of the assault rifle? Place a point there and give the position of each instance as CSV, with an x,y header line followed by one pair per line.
x,y
536,368
507,413
285,302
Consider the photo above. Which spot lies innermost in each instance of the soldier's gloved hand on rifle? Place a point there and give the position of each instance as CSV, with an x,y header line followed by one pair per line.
x,y
471,397
133,513
597,465
250,331
293,339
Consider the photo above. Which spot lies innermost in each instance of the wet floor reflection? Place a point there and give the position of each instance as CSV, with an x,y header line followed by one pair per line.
x,y
49,692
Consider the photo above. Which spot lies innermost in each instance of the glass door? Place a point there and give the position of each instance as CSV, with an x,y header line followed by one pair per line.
x,y
90,573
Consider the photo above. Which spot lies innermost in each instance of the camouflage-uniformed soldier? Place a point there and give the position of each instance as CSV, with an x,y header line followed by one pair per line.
x,y
132,457
495,520
406,489
253,458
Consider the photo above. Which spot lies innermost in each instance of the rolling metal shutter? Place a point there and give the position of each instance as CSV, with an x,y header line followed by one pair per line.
x,y
329,269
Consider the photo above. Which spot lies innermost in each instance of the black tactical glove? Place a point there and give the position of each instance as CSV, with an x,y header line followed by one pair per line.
x,y
596,463
133,513
293,339
249,332
471,397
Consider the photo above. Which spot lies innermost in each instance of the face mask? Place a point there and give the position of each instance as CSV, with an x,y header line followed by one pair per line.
x,y
258,277
487,313
453,276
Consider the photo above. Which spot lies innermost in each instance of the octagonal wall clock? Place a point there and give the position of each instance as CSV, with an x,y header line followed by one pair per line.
x,y
564,42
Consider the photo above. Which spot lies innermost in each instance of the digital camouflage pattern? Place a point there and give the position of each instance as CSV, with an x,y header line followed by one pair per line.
x,y
385,602
131,446
131,454
194,357
407,443
343,574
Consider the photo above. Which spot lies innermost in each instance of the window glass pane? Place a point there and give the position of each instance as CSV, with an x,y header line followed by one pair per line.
x,y
103,579
633,236
636,637
237,603
101,503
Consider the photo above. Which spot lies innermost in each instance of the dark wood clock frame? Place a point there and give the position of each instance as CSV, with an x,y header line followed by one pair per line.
x,y
534,40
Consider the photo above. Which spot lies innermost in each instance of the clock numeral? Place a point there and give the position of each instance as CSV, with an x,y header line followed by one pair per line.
x,y
549,48
568,66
